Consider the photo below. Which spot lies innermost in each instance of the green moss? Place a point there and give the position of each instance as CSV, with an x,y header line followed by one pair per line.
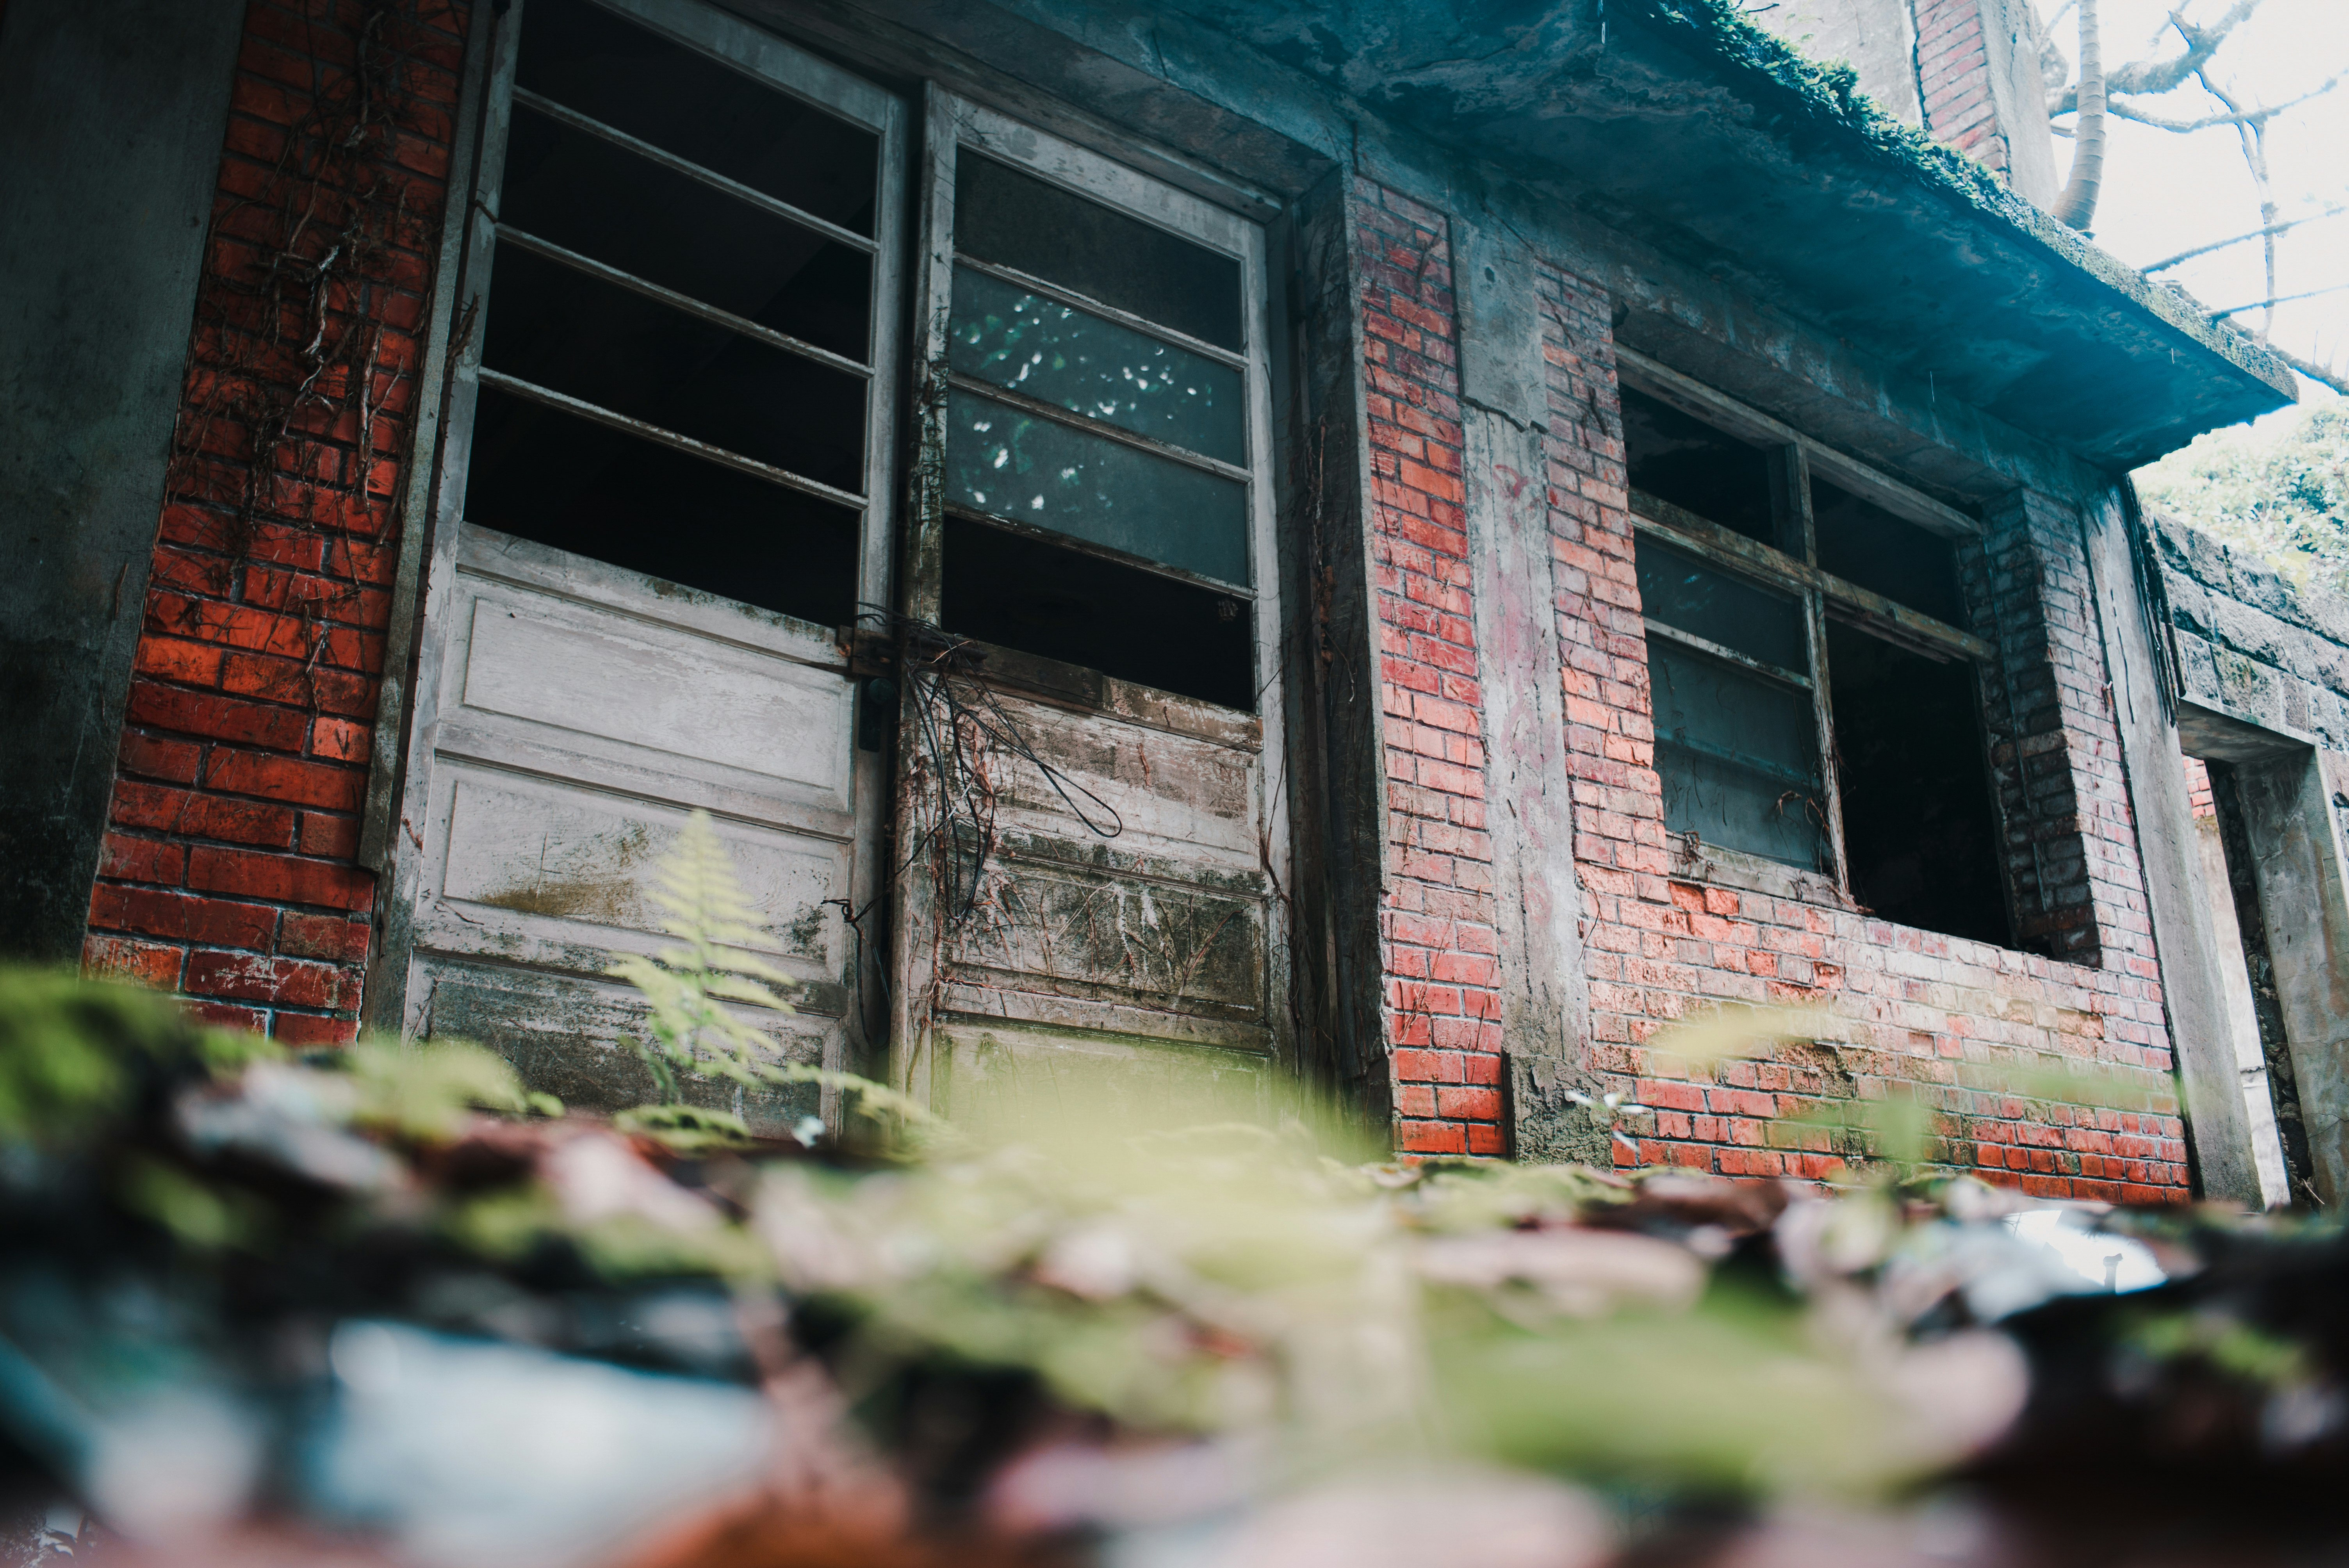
x,y
1828,92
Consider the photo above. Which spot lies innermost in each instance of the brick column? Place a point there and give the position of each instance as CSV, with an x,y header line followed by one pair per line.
x,y
2055,754
1953,79
1438,942
229,873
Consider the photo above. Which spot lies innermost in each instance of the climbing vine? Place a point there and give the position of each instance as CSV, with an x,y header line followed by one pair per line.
x,y
317,265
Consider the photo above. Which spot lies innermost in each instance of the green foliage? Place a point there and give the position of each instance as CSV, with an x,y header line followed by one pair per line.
x,y
690,982
424,1091
73,1052
687,1129
2284,498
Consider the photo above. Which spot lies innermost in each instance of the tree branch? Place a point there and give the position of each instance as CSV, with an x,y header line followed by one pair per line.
x,y
2245,117
2168,262
2311,369
2279,299
2149,78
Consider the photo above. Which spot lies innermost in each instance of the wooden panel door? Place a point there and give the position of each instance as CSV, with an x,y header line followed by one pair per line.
x,y
663,497
1092,809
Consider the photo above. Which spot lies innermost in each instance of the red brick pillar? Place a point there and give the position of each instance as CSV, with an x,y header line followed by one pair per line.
x,y
229,873
1438,942
1953,79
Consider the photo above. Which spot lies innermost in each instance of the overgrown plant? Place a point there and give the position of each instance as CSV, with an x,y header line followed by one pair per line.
x,y
689,985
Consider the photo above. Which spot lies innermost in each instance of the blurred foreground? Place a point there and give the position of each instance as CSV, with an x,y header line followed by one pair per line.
x,y
379,1307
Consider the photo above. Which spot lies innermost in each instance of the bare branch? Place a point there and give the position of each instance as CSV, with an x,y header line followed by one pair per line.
x,y
2244,117
2277,300
2148,78
2313,371
2168,261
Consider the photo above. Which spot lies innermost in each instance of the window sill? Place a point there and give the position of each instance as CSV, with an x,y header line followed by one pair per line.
x,y
1714,865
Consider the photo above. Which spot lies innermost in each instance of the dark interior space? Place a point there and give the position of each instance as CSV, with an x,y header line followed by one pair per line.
x,y
1919,828
613,347
1018,220
1677,458
605,202
561,480
685,103
1861,543
1022,593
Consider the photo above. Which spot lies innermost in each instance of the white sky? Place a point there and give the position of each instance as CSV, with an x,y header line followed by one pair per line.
x,y
2166,192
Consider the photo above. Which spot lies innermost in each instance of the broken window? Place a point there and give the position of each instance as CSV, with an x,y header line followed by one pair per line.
x,y
677,348
1816,698
1101,500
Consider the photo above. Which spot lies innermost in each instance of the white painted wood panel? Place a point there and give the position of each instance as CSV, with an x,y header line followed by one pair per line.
x,y
598,674
531,856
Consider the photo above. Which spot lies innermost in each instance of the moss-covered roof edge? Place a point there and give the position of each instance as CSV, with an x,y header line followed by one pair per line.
x,y
1826,94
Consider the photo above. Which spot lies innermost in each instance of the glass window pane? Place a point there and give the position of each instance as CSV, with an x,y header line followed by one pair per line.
x,y
1047,475
1066,357
560,329
1862,543
547,475
1015,220
683,102
1736,755
1681,591
1678,457
587,195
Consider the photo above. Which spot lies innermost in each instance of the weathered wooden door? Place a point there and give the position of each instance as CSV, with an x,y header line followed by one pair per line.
x,y
663,497
1090,815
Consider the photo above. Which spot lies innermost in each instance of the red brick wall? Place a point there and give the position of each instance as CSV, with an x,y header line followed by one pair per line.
x,y
2197,787
229,874
1437,931
1902,1011
1953,79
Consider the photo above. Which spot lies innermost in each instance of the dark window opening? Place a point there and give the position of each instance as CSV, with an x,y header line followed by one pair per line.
x,y
556,321
1018,220
1861,543
1919,833
1680,458
685,103
605,202
1138,626
581,487
565,330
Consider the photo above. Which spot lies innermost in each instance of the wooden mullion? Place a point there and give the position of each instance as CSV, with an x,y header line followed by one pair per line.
x,y
1735,553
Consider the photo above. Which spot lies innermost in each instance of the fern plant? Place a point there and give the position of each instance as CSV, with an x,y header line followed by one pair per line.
x,y
689,985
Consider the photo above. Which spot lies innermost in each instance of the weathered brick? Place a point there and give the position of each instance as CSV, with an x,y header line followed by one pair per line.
x,y
286,879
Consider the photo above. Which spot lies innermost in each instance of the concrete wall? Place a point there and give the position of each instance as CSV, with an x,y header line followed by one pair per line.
x,y
111,123
1965,71
2265,672
1878,38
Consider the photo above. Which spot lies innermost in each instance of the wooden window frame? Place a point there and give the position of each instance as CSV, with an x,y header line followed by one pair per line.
x,y
952,123
1790,567
432,508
